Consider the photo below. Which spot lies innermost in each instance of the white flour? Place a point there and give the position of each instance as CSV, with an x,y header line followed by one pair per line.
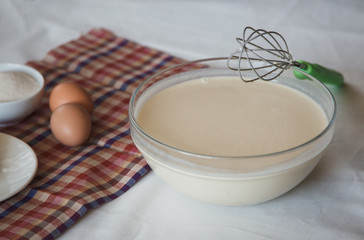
x,y
16,85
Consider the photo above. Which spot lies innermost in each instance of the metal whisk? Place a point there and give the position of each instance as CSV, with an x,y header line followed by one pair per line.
x,y
266,54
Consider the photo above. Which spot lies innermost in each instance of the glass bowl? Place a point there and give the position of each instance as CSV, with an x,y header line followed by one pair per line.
x,y
230,180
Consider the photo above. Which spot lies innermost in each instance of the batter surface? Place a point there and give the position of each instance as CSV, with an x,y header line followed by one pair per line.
x,y
225,116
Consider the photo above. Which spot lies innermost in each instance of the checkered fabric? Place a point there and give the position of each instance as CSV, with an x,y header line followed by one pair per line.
x,y
72,180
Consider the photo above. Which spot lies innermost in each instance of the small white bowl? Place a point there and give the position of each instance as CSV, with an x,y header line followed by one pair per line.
x,y
13,112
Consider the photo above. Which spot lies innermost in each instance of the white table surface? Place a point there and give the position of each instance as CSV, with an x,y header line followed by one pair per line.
x,y
329,204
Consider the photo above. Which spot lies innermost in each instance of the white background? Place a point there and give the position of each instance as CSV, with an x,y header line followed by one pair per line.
x,y
329,204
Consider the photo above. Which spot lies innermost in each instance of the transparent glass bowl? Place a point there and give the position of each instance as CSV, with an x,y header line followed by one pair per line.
x,y
230,180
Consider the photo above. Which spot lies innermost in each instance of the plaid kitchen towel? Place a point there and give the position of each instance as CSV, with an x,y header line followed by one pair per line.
x,y
72,180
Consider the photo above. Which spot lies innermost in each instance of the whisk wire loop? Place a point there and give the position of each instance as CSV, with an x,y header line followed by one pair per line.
x,y
264,52
261,33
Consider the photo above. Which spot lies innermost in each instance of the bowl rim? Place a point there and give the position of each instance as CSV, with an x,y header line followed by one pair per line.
x,y
207,156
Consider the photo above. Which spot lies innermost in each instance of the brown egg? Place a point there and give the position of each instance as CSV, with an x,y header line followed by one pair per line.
x,y
71,124
69,92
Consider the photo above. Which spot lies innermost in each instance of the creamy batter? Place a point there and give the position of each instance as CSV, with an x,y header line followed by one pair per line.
x,y
225,116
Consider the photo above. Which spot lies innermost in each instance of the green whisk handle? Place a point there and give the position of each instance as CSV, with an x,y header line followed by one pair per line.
x,y
323,74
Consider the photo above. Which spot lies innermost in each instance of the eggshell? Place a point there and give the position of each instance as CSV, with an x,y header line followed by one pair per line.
x,y
69,92
71,124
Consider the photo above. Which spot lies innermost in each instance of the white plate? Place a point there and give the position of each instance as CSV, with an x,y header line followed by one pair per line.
x,y
18,164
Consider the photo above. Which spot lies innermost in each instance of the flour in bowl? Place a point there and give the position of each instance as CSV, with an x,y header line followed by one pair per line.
x,y
17,85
